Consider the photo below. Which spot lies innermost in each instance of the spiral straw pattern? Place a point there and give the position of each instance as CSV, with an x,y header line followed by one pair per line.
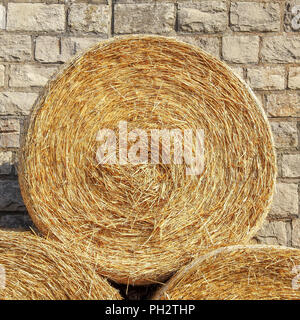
x,y
147,220
256,272
33,268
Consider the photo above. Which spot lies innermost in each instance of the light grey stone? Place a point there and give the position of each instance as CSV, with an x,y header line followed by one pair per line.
x,y
285,202
204,16
16,103
285,134
35,17
296,233
9,133
281,49
89,18
291,165
294,78
144,18
283,104
267,78
30,75
2,17
273,233
208,44
254,16
75,45
240,49
14,47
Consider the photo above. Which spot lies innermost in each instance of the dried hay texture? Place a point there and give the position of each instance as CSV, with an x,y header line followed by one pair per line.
x,y
256,272
41,269
147,220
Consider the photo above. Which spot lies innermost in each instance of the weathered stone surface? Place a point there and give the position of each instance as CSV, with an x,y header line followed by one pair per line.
x,y
292,15
30,75
9,133
238,71
9,140
35,17
16,221
267,78
47,49
9,125
274,233
6,162
99,1
2,75
204,16
285,104
16,103
2,17
296,233
240,49
52,49
259,96
294,78
73,45
10,196
89,18
281,49
285,134
210,45
144,18
291,165
254,16
15,47
152,1
285,201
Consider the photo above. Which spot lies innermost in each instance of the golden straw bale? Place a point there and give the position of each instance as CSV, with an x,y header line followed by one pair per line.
x,y
33,268
147,220
256,272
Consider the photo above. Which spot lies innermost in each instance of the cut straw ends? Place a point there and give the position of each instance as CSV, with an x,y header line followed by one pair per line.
x,y
255,272
33,268
146,221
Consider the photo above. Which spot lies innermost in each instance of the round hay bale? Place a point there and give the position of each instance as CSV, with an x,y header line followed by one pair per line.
x,y
147,220
256,272
33,268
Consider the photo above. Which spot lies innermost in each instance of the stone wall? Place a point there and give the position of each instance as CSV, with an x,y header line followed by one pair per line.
x,y
260,40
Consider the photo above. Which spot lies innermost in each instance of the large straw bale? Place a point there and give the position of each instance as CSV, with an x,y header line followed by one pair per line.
x,y
33,268
254,272
147,220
